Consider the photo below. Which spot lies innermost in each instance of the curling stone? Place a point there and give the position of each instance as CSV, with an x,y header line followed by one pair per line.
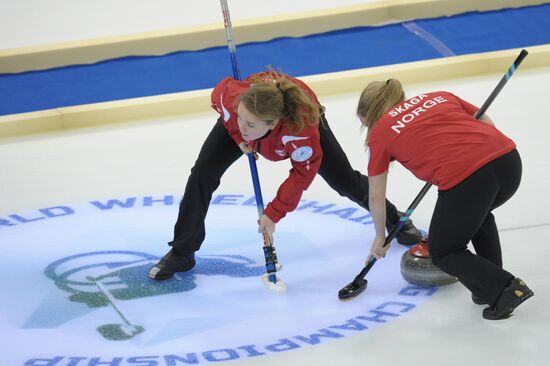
x,y
418,269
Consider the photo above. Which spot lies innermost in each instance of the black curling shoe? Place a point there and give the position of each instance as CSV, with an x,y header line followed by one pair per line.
x,y
170,264
511,297
409,234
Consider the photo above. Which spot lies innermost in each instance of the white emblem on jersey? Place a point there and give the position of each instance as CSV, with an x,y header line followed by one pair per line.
x,y
287,138
302,153
226,114
281,153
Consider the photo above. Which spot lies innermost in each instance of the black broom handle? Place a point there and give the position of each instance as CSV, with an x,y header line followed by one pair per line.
x,y
393,233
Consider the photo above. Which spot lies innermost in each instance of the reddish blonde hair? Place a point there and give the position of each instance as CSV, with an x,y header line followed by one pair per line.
x,y
273,96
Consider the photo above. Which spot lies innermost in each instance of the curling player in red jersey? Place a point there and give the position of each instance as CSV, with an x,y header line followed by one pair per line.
x,y
476,168
280,118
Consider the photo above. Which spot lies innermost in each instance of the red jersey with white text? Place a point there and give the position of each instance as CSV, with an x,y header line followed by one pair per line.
x,y
303,149
437,138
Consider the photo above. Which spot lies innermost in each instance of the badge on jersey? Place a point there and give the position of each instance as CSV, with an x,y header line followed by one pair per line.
x,y
302,153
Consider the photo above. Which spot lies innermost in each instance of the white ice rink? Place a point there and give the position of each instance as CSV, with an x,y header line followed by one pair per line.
x,y
154,158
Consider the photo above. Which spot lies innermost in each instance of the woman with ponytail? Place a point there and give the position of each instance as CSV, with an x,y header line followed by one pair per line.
x,y
476,168
280,118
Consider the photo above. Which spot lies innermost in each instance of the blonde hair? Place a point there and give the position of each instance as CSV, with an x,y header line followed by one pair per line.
x,y
273,96
376,99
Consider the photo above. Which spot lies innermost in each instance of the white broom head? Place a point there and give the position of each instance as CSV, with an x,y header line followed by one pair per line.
x,y
278,287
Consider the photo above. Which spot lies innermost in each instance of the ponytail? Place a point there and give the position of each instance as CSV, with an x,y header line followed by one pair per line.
x,y
376,99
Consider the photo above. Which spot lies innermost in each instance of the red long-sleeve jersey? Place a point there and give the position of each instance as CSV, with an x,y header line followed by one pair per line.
x,y
303,149
436,137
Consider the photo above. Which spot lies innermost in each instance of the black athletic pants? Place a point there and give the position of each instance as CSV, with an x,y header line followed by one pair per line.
x,y
463,214
219,151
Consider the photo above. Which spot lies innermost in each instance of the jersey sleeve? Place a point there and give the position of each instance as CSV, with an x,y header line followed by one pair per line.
x,y
222,100
305,157
378,158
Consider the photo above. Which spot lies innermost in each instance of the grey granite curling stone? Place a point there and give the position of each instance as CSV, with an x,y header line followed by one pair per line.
x,y
417,267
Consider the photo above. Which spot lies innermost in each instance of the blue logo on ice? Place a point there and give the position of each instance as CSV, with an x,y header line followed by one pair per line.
x,y
124,273
100,279
96,292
